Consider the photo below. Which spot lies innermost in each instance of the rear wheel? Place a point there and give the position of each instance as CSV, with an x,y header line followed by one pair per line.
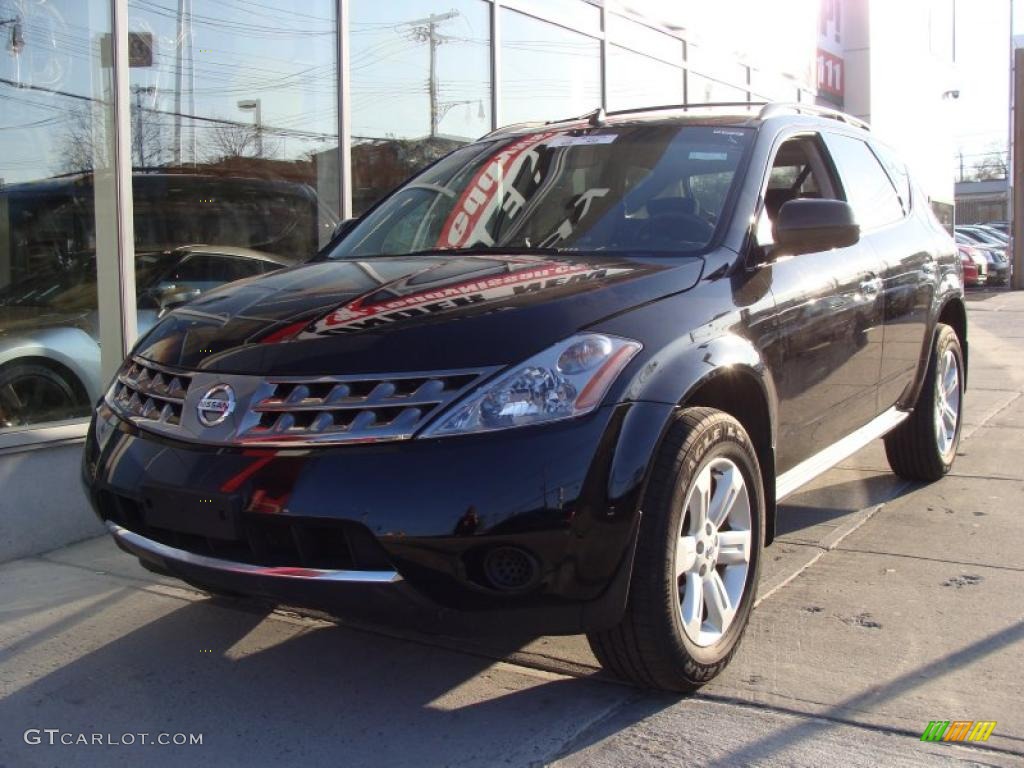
x,y
697,561
924,446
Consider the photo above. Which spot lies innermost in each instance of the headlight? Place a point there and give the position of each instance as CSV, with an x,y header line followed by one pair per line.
x,y
564,381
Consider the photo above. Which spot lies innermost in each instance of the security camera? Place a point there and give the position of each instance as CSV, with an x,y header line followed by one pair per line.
x,y
954,94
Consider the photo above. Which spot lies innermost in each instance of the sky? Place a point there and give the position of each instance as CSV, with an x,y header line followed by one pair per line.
x,y
983,74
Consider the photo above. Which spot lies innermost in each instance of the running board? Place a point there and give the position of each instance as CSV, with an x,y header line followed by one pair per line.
x,y
807,470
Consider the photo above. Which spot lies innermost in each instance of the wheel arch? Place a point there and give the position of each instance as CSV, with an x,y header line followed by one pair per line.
x,y
740,391
952,311
726,372
954,314
58,367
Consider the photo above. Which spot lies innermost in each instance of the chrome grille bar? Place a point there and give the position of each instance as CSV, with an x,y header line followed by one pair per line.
x,y
288,411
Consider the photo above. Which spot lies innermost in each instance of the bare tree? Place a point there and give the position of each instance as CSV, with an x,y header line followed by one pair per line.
x,y
82,145
229,140
992,165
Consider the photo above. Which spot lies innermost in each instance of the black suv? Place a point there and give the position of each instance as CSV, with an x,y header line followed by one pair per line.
x,y
557,382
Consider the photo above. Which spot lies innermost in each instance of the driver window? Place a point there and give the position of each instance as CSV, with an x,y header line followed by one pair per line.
x,y
798,171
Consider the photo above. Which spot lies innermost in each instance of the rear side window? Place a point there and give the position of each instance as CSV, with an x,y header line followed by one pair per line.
x,y
897,171
868,188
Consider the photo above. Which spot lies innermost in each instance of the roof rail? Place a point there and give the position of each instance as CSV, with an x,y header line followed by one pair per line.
x,y
596,116
512,127
696,105
767,109
770,110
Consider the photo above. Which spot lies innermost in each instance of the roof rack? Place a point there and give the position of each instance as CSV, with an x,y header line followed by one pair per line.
x,y
696,105
513,127
596,116
767,109
812,109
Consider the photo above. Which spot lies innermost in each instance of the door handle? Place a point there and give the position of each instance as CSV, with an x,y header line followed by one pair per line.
x,y
870,288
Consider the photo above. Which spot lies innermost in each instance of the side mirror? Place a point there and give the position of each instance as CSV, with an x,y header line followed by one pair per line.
x,y
806,225
344,227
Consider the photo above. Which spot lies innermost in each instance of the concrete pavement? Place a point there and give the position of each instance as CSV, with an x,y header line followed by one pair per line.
x,y
883,605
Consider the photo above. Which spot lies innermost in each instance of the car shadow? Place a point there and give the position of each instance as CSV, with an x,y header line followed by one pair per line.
x,y
291,692
826,504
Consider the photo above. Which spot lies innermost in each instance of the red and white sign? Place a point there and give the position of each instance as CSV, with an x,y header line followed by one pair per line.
x,y
831,70
467,222
361,314
830,74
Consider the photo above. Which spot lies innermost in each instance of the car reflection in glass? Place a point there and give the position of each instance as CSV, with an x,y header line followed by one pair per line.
x,y
49,326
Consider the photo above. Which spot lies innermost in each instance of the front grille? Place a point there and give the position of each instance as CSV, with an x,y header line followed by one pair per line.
x,y
150,393
287,411
359,408
266,540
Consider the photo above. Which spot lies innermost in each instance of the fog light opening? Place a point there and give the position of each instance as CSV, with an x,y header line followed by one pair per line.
x,y
510,569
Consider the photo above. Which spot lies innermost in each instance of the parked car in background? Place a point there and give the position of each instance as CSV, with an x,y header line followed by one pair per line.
x,y
986,254
1002,226
49,324
1000,237
555,383
969,249
972,275
980,234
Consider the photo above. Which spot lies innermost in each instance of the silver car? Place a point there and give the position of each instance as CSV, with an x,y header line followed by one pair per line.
x,y
49,325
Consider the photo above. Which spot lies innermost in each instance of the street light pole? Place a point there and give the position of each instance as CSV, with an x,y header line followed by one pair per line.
x,y
255,105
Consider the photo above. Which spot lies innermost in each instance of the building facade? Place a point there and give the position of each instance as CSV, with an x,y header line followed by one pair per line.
x,y
152,149
979,202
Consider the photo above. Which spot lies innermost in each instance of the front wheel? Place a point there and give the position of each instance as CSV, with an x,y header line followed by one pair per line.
x,y
31,393
697,560
924,446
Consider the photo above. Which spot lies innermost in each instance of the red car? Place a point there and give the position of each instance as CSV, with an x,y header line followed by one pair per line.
x,y
972,274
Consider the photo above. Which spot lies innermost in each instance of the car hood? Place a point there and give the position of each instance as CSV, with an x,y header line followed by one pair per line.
x,y
411,313
29,319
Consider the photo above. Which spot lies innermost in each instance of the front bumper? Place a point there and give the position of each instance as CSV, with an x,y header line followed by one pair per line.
x,y
400,532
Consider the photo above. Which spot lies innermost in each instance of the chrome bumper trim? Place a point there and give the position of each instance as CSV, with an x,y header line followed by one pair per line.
x,y
141,546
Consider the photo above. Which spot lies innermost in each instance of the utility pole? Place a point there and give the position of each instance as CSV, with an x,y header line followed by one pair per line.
x,y
179,40
1017,171
140,144
425,30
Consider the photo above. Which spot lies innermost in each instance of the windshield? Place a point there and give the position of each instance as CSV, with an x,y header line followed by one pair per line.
x,y
617,189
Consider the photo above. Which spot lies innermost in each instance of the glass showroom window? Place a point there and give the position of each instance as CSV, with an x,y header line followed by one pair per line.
x,y
643,39
640,81
234,142
713,77
765,86
421,86
546,72
577,14
57,206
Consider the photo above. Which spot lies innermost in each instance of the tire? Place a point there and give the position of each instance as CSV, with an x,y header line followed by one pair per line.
x,y
31,393
650,646
914,449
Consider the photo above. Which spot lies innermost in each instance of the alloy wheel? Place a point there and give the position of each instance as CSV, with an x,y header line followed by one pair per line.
x,y
712,554
947,402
